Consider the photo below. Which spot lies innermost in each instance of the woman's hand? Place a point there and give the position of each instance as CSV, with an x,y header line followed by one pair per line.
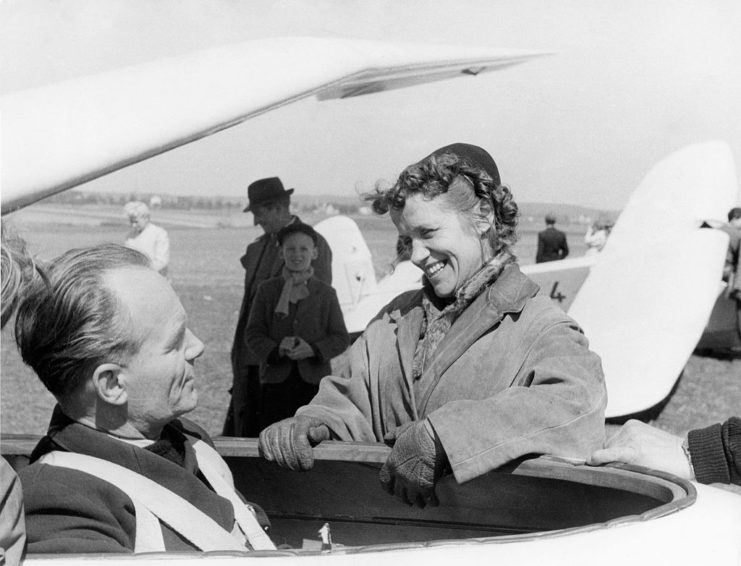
x,y
415,464
289,442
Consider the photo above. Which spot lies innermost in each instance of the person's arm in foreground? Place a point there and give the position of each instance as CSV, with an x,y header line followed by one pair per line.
x,y
70,512
12,523
714,451
555,407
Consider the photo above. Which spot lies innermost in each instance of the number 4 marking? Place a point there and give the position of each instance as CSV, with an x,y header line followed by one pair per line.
x,y
557,295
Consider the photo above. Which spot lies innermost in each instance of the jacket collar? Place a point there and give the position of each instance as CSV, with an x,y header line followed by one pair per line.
x,y
511,290
508,294
72,436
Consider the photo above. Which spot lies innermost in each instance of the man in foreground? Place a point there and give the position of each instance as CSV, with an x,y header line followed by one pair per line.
x,y
270,203
119,471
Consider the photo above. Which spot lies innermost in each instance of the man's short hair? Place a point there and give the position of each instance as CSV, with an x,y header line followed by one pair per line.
x,y
734,213
71,321
295,227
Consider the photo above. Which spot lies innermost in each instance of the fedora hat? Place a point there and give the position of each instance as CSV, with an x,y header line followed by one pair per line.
x,y
265,190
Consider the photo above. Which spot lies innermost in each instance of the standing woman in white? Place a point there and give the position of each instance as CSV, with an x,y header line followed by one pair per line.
x,y
147,238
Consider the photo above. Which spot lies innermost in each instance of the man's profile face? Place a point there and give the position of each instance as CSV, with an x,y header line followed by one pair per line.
x,y
270,218
160,378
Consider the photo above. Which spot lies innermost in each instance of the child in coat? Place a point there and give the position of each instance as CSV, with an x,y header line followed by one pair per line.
x,y
295,328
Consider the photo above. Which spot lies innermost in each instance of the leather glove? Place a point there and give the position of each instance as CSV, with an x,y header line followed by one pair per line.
x,y
415,464
301,350
289,442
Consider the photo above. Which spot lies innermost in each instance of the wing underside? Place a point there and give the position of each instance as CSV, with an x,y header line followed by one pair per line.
x,y
62,135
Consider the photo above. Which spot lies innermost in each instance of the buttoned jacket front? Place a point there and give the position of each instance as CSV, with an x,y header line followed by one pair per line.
x,y
317,319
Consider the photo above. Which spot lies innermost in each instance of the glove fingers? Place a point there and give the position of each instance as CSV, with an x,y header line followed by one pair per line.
x,y
402,493
287,444
285,455
264,447
303,455
318,434
386,479
432,499
420,499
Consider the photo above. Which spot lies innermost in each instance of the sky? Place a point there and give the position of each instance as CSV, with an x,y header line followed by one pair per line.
x,y
628,83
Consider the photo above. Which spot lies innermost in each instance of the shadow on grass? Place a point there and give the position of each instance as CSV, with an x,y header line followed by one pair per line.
x,y
650,414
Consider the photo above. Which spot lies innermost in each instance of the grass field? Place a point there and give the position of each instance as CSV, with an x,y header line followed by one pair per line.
x,y
206,273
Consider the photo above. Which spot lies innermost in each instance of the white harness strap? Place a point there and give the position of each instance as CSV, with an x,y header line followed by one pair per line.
x,y
220,477
148,531
182,516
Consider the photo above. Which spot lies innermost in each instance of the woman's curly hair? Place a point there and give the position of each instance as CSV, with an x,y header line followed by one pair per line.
x,y
434,175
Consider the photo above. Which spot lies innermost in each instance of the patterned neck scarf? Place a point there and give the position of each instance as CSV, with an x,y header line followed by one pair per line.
x,y
439,317
294,289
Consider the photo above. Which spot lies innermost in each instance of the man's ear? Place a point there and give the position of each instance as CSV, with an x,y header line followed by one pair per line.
x,y
109,385
315,253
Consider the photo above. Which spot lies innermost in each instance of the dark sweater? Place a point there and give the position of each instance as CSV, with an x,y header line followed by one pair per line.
x,y
716,452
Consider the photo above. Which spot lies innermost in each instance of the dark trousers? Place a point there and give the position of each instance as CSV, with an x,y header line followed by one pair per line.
x,y
279,401
242,414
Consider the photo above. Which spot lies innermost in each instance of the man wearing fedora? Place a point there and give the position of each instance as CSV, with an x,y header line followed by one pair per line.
x,y
270,203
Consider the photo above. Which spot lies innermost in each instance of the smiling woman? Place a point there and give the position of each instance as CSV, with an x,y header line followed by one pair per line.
x,y
468,373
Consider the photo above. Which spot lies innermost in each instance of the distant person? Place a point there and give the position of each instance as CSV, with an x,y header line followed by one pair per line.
x,y
270,204
119,469
708,455
295,328
17,268
596,236
471,371
149,239
732,267
552,243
